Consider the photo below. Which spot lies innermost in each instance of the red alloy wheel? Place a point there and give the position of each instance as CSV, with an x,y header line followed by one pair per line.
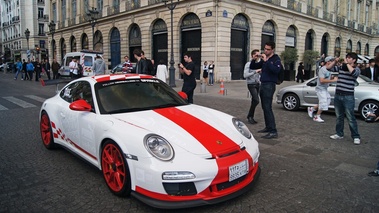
x,y
46,132
115,169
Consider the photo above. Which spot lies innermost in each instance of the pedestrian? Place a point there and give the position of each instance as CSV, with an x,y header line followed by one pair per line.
x,y
252,74
37,69
325,77
211,69
24,63
73,65
18,70
188,72
149,64
30,69
127,66
141,66
300,73
162,73
46,66
371,72
344,100
99,66
205,72
269,77
375,173
55,66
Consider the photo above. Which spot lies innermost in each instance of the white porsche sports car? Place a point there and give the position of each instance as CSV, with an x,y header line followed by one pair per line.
x,y
149,142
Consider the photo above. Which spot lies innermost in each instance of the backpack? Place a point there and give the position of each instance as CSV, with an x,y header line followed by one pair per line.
x,y
80,69
280,75
150,67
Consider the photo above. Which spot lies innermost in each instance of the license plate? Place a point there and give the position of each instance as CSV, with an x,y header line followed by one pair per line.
x,y
238,170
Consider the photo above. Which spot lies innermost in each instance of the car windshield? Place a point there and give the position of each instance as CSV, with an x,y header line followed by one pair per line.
x,y
132,95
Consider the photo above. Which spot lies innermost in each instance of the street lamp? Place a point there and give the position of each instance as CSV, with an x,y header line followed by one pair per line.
x,y
171,6
27,34
52,31
92,14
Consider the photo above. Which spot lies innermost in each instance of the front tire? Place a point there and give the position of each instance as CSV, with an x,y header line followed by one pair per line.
x,y
46,131
291,102
115,169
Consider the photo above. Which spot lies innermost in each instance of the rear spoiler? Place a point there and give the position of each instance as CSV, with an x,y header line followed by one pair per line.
x,y
54,82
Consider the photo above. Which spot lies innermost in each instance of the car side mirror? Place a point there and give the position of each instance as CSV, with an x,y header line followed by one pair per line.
x,y
183,95
81,105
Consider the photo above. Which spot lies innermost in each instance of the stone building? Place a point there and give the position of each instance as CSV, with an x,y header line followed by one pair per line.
x,y
218,30
16,17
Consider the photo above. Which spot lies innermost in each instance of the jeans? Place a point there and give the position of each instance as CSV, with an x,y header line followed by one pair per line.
x,y
211,79
344,104
266,93
17,72
254,91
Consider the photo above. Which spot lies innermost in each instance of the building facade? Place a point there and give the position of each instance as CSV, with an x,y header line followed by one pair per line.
x,y
213,30
16,17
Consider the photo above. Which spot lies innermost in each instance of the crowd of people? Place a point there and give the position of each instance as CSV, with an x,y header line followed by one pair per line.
x,y
30,68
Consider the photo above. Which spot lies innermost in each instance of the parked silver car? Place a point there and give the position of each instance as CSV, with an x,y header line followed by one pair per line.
x,y
304,95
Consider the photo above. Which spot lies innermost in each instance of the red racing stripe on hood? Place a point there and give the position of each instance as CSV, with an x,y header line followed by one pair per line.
x,y
213,140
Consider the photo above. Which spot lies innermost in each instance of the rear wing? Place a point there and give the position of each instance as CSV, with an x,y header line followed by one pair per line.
x,y
54,82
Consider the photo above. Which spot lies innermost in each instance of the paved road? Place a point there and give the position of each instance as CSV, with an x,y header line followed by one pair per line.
x,y
302,171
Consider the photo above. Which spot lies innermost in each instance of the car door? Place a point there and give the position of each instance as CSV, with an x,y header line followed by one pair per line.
x,y
309,92
78,126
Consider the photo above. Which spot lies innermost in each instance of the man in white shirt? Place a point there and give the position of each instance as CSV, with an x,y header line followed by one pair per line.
x,y
73,69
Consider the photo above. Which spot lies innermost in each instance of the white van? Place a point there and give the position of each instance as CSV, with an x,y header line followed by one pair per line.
x,y
85,57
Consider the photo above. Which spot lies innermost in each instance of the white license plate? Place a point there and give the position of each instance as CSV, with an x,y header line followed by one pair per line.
x,y
238,170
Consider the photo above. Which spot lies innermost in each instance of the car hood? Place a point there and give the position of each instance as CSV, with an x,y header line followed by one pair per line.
x,y
196,129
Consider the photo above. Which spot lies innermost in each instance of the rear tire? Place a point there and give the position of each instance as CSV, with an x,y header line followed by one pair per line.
x,y
368,107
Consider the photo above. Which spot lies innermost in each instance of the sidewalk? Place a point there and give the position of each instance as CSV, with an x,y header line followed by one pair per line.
x,y
236,89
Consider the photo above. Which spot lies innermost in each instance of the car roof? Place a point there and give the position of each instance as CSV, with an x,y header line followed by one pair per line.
x,y
112,77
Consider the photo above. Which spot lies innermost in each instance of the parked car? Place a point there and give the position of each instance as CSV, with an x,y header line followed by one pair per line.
x,y
304,95
150,142
119,68
10,66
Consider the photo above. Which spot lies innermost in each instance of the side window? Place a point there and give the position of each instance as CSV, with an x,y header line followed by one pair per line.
x,y
68,60
76,91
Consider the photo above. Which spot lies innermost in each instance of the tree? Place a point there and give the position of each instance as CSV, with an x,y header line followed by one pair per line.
x,y
309,60
289,57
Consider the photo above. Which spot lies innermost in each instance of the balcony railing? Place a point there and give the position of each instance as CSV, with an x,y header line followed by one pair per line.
x,y
131,5
71,22
114,10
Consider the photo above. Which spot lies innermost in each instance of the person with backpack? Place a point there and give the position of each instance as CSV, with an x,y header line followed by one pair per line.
x,y
99,66
271,69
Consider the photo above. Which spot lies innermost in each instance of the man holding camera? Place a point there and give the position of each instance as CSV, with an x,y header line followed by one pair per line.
x,y
269,76
189,80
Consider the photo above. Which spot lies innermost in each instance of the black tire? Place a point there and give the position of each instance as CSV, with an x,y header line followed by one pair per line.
x,y
368,107
46,131
291,102
115,169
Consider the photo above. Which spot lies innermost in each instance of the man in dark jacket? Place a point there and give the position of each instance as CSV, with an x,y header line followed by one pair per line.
x,y
37,69
141,66
372,72
269,76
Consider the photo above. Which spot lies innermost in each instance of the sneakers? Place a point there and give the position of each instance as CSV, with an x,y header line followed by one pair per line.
x,y
310,112
336,137
317,118
374,173
357,141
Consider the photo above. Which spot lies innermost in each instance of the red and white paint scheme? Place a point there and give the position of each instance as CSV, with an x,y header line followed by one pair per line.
x,y
150,143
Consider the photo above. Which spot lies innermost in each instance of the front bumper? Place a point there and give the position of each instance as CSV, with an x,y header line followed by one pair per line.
x,y
199,202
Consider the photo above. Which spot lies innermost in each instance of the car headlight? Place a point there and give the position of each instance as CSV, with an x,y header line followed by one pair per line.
x,y
242,128
159,147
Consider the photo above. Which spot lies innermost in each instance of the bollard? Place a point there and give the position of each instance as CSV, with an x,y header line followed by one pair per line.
x,y
203,88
